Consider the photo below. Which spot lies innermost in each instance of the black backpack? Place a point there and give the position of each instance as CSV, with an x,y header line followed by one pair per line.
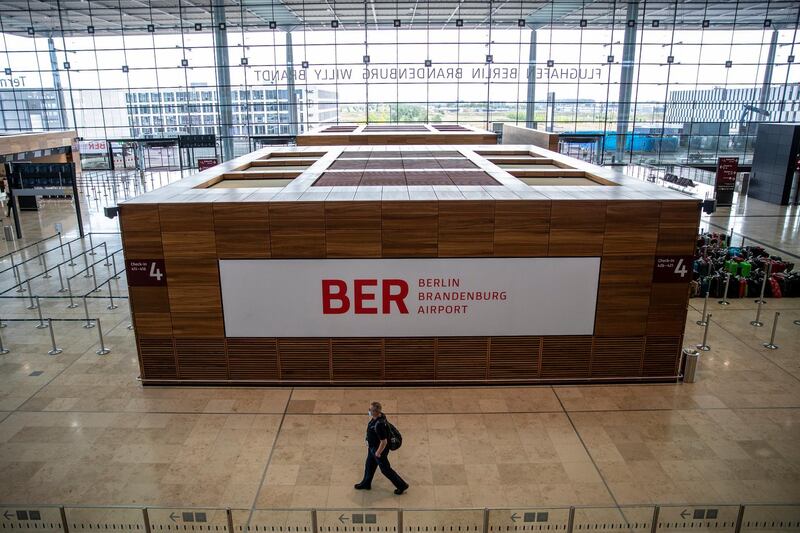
x,y
395,438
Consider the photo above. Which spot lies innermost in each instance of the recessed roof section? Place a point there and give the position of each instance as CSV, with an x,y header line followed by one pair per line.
x,y
172,16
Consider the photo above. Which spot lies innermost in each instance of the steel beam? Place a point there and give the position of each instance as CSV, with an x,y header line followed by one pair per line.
x,y
62,106
530,104
765,86
224,100
291,96
626,78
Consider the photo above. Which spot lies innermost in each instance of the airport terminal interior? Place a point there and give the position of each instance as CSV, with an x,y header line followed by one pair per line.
x,y
558,242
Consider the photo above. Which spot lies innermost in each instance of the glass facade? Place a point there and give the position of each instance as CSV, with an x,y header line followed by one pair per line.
x,y
649,82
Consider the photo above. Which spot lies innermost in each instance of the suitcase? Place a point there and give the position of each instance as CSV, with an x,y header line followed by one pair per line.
x,y
733,287
742,288
745,268
774,287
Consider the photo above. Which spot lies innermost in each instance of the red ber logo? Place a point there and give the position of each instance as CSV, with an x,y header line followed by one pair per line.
x,y
337,300
146,272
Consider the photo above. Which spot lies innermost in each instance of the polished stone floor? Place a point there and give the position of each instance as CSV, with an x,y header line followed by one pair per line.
x,y
78,429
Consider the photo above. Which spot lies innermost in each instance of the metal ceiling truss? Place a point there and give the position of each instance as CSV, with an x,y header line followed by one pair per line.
x,y
169,16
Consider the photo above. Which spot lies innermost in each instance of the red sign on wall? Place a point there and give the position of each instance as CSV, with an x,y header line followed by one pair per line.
x,y
727,167
146,272
203,164
673,268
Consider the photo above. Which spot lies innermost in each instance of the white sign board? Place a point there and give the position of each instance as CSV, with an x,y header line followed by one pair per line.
x,y
409,297
93,147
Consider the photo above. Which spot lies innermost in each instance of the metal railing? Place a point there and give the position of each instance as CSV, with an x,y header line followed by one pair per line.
x,y
635,518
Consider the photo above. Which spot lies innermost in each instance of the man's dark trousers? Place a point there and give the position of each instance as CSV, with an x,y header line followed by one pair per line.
x,y
386,469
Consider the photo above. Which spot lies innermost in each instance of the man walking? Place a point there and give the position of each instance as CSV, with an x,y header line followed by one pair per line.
x,y
378,452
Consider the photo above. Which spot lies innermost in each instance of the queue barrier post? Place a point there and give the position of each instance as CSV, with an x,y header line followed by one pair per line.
x,y
72,304
761,299
61,279
55,350
41,324
771,344
103,350
724,300
44,267
86,265
20,288
702,321
30,295
704,347
757,322
88,323
3,349
58,227
114,267
111,304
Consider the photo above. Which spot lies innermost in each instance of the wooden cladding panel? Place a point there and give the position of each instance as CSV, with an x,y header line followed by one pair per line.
x,y
304,359
677,228
186,216
668,305
153,324
198,299
142,245
566,357
466,228
521,229
661,356
253,358
577,228
157,358
242,230
192,272
297,229
201,359
514,358
143,217
357,359
670,294
623,299
189,245
461,358
207,325
149,299
410,229
666,320
616,357
409,358
631,228
353,229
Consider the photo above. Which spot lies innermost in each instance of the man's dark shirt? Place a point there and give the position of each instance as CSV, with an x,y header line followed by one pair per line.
x,y
376,432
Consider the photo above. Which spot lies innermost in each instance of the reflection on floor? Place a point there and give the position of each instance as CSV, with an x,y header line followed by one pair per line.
x,y
77,428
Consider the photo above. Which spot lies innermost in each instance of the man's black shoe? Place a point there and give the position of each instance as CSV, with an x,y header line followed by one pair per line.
x,y
361,486
401,491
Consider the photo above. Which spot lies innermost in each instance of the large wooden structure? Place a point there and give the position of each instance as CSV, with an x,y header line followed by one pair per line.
x,y
407,202
41,147
395,134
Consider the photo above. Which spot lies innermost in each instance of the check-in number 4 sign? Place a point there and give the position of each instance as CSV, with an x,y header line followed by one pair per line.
x,y
672,268
146,272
